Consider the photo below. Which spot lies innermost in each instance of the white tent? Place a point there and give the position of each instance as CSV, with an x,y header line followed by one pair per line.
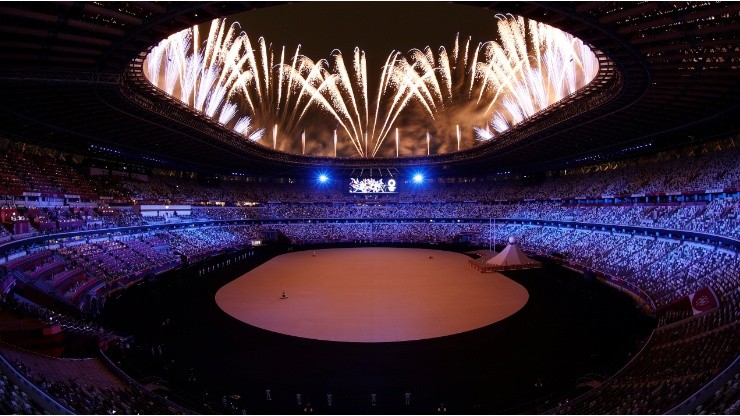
x,y
512,255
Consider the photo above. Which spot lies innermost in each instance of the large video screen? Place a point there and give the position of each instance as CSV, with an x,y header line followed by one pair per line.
x,y
372,186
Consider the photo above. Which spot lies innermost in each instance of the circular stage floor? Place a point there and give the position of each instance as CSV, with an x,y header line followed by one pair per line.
x,y
370,295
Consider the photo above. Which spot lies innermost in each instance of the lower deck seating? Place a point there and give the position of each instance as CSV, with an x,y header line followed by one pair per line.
x,y
85,386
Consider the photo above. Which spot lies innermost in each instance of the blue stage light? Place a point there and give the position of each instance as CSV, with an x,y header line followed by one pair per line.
x,y
323,178
418,178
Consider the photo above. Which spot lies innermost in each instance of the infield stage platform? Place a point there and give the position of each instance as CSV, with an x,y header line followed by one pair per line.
x,y
370,294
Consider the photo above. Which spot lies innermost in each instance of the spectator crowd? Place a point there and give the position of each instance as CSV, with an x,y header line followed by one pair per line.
x,y
574,217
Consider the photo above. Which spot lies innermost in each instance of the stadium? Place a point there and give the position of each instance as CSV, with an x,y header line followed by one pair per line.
x,y
369,208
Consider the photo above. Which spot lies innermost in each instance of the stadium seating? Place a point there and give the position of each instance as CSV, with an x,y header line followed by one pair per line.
x,y
85,386
578,217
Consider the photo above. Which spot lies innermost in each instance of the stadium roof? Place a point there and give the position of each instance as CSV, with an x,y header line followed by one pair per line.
x,y
69,80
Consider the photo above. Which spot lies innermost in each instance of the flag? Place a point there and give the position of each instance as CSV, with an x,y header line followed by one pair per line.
x,y
703,300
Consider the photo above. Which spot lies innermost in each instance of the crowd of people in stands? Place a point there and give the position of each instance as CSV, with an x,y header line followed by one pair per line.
x,y
669,174
665,269
96,267
86,386
682,355
717,217
664,373
723,401
4,234
21,172
558,197
15,401
678,360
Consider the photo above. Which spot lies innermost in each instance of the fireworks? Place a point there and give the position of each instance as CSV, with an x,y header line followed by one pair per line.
x,y
203,78
467,93
525,74
529,68
447,82
228,76
345,94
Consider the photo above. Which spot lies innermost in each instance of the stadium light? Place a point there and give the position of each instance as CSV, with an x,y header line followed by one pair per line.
x,y
418,178
323,178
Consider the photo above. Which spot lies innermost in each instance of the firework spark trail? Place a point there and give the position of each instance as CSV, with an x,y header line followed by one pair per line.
x,y
492,73
216,101
385,78
234,61
344,95
307,83
239,83
229,53
208,73
346,85
173,50
473,65
227,113
362,70
483,134
280,93
266,65
408,82
207,77
242,125
280,78
420,82
201,78
190,75
445,70
562,64
340,110
511,80
447,84
510,60
326,83
230,68
394,79
424,64
386,83
290,68
154,62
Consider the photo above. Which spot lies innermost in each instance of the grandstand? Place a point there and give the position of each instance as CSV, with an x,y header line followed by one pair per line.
x,y
123,211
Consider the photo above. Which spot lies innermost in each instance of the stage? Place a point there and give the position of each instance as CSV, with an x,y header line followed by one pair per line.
x,y
370,295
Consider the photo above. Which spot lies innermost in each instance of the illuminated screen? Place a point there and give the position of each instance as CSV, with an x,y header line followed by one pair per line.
x,y
372,186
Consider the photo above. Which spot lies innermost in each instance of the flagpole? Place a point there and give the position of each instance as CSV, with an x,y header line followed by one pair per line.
x,y
494,236
489,234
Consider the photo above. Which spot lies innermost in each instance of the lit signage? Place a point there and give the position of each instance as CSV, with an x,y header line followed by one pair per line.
x,y
372,186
